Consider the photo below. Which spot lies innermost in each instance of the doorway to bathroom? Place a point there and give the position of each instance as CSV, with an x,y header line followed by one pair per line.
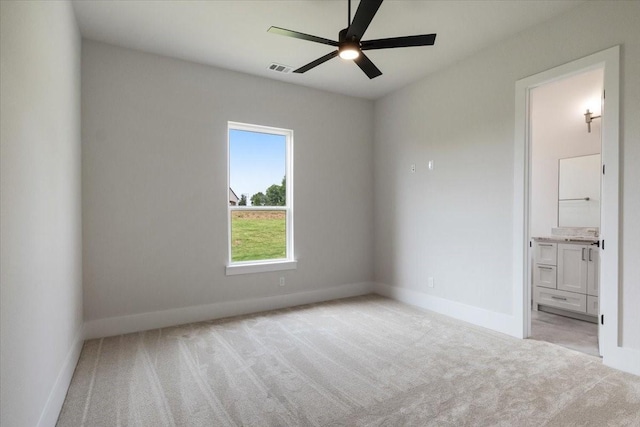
x,y
564,216
566,254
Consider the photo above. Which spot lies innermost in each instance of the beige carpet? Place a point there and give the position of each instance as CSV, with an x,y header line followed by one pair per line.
x,y
366,361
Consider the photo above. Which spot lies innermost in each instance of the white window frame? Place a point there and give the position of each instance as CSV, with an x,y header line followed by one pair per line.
x,y
262,266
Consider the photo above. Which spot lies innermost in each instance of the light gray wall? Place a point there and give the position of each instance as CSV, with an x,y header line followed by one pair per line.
x,y
154,171
455,223
40,226
558,131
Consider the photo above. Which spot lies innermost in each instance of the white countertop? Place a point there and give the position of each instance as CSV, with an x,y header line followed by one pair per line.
x,y
576,239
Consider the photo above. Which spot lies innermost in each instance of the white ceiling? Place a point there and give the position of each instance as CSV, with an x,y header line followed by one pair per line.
x,y
232,34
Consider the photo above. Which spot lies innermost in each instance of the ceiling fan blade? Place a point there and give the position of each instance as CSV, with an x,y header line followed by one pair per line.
x,y
317,62
408,41
302,36
367,66
364,15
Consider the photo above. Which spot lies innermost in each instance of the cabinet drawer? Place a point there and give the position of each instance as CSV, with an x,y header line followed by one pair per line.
x,y
544,275
546,253
561,299
592,305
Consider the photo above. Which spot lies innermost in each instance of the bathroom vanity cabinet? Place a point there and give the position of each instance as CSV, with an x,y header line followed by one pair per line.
x,y
565,276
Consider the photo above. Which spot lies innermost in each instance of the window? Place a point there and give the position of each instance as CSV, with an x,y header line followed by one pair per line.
x,y
260,202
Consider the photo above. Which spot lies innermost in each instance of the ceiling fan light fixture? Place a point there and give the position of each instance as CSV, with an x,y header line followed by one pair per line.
x,y
349,51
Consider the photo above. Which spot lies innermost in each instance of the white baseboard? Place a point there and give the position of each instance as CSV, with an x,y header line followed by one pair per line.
x,y
51,410
110,326
499,322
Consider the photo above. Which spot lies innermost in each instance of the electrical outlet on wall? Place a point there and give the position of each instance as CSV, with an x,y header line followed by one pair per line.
x,y
281,281
430,282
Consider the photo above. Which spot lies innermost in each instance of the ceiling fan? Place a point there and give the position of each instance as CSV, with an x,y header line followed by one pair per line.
x,y
350,44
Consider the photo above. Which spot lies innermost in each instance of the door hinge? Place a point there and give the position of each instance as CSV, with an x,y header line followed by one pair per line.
x,y
602,319
603,244
604,94
602,169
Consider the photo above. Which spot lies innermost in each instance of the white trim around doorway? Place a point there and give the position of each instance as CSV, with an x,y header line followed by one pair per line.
x,y
614,355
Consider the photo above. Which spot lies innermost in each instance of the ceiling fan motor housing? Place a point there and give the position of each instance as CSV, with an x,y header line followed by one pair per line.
x,y
342,36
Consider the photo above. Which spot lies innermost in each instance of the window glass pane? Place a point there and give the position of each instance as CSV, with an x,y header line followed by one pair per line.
x,y
258,235
257,168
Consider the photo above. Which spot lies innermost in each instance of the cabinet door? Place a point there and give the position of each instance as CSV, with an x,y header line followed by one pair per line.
x,y
572,267
593,272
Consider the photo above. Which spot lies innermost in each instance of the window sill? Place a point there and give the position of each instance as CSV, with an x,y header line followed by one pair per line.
x,y
261,267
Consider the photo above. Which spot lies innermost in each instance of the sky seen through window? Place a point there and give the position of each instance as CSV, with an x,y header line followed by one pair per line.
x,y
256,161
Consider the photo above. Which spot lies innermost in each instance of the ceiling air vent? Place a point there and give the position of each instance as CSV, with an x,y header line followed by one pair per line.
x,y
279,68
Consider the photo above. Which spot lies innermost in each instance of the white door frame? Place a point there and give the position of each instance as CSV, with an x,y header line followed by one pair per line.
x,y
609,61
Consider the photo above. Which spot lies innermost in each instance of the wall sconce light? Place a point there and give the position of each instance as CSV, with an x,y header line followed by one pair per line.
x,y
588,118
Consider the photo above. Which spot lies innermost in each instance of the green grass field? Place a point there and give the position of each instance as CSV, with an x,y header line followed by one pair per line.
x,y
258,235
